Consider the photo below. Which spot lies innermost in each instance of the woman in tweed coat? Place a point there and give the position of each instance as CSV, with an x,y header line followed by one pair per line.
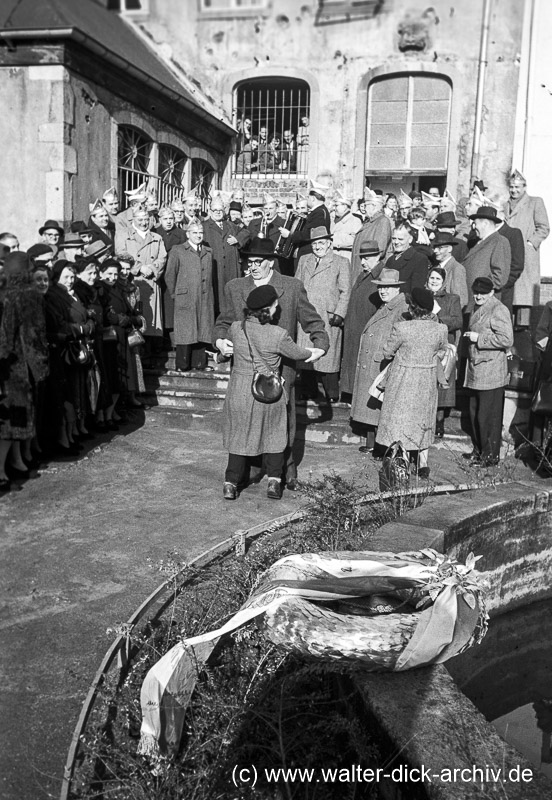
x,y
410,399
252,428
490,335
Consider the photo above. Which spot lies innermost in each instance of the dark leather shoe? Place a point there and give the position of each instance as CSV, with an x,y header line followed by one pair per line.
x,y
471,456
364,449
439,430
292,485
7,486
274,490
229,491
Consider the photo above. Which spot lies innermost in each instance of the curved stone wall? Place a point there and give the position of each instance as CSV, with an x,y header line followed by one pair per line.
x,y
422,714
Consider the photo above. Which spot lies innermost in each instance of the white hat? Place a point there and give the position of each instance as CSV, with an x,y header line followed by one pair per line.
x,y
430,199
481,199
96,206
404,197
267,198
372,197
517,176
319,188
111,192
138,194
340,198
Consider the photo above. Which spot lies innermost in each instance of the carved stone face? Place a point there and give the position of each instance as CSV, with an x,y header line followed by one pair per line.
x,y
415,30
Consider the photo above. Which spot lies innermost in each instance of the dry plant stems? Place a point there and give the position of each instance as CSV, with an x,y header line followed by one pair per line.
x,y
252,704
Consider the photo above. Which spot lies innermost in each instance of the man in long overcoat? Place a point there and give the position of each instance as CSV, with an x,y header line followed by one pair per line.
x,y
326,278
529,215
364,408
295,309
150,256
221,236
363,303
189,282
491,257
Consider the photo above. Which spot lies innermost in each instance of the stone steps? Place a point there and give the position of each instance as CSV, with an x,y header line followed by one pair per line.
x,y
195,399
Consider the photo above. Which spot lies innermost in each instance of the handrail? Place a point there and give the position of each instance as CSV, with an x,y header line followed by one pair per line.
x,y
237,542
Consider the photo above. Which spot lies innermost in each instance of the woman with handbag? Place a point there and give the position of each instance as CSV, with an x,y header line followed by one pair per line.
x,y
448,310
410,400
68,316
490,335
252,426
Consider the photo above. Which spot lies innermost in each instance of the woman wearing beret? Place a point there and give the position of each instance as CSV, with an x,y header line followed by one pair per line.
x,y
252,428
490,335
410,400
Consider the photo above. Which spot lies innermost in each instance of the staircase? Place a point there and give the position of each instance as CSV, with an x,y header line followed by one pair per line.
x,y
194,400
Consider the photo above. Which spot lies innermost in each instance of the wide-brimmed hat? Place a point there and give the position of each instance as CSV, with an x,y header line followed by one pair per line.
x,y
319,233
51,224
486,212
446,219
40,250
97,249
80,227
73,240
259,247
369,248
261,297
444,238
235,206
389,277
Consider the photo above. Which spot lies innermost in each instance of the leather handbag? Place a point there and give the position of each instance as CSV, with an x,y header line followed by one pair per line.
x,y
109,334
268,386
77,354
395,469
135,338
542,399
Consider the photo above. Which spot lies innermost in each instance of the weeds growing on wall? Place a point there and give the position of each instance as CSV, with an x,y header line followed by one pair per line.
x,y
253,705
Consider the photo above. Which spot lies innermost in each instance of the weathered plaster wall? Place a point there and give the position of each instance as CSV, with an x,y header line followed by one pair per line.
x,y
38,160
338,57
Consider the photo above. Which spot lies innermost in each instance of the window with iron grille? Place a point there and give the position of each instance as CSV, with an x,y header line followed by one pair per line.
x,y
135,151
408,124
171,164
272,116
203,181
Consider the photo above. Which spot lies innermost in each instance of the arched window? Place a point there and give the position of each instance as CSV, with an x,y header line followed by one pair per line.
x,y
203,181
134,158
408,125
272,116
171,173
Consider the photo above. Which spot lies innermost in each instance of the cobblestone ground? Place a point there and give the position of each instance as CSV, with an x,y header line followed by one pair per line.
x,y
79,547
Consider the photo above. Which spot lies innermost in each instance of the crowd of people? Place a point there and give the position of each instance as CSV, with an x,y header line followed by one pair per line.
x,y
378,302
261,151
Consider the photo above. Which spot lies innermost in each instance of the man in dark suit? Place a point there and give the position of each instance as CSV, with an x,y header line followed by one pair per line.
x,y
268,226
517,264
412,264
491,257
221,236
295,309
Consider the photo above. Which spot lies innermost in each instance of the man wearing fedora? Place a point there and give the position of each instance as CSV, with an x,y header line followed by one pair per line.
x,y
365,409
295,310
376,227
51,232
318,217
446,222
326,278
491,257
443,245
363,303
73,247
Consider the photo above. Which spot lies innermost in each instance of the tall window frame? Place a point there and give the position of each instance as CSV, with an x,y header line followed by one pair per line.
x,y
276,104
409,118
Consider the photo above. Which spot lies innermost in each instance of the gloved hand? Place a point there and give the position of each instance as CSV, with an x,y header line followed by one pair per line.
x,y
336,321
